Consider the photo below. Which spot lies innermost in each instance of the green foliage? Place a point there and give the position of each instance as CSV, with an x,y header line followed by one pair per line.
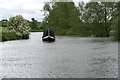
x,y
100,16
11,35
99,19
34,30
35,25
19,29
62,17
92,19
6,35
118,7
20,25
115,31
4,23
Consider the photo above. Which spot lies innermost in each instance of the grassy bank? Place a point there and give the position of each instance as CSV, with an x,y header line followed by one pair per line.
x,y
0,34
18,28
7,35
33,30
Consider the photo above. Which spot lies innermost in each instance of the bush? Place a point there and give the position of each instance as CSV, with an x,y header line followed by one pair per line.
x,y
11,35
33,30
19,29
8,36
20,25
115,30
25,36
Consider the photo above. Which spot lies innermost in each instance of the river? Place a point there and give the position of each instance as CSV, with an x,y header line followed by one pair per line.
x,y
67,57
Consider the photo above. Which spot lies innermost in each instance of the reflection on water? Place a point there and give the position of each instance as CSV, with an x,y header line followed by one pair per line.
x,y
67,57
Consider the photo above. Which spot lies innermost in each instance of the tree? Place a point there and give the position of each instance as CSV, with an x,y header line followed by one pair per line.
x,y
62,17
99,15
20,26
93,18
115,32
4,23
34,24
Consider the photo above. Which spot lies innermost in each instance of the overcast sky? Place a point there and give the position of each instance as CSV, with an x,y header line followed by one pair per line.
x,y
27,8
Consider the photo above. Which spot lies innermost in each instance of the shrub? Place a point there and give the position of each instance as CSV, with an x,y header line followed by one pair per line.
x,y
20,25
7,35
115,29
19,29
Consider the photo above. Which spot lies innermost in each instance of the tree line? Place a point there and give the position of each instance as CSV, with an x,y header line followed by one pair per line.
x,y
99,19
34,24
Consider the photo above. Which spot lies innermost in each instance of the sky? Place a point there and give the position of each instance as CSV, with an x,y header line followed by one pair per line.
x,y
27,8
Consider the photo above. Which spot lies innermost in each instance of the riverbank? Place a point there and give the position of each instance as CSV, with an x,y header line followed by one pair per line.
x,y
33,30
8,35
17,28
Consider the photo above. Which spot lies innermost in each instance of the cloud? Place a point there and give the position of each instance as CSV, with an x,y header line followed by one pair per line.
x,y
27,8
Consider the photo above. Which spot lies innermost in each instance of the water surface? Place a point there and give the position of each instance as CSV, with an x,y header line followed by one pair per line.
x,y
67,57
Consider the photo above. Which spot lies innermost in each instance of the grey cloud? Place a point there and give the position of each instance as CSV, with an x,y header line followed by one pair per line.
x,y
6,13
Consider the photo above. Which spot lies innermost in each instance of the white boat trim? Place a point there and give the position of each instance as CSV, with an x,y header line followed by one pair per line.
x,y
48,37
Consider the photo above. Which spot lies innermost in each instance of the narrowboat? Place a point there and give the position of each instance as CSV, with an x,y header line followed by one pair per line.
x,y
48,35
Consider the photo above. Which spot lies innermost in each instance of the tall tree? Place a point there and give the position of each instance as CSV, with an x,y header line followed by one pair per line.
x,y
63,16
99,15
34,23
115,32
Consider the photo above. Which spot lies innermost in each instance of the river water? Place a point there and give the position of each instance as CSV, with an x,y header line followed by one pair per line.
x,y
67,57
